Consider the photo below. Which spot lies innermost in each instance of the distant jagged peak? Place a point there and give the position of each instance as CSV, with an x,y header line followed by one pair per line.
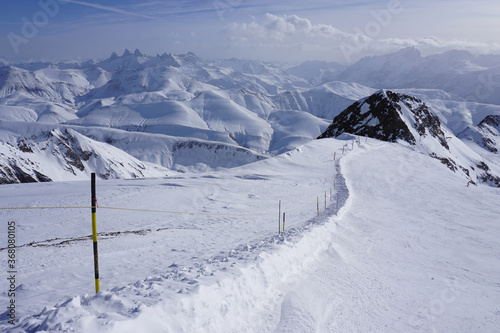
x,y
113,56
388,116
126,60
126,53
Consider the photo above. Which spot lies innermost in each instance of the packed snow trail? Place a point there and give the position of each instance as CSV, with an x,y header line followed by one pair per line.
x,y
149,258
416,251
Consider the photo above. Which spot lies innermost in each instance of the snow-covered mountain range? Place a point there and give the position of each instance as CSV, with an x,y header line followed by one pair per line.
x,y
404,242
137,115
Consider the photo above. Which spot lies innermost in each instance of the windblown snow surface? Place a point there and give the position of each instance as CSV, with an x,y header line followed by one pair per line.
x,y
402,246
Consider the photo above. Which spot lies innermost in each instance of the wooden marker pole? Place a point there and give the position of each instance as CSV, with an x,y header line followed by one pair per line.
x,y
325,199
283,221
317,204
93,201
334,156
279,218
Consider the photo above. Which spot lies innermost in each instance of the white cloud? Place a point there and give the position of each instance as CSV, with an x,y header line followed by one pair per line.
x,y
298,37
286,26
434,44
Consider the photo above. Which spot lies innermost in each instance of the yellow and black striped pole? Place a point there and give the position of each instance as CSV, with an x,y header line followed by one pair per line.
x,y
94,231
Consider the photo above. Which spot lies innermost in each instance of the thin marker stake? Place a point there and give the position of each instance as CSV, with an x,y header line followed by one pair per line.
x,y
317,204
279,218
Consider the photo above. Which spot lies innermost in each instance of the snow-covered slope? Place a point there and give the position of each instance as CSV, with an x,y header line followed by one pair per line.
x,y
56,155
45,152
412,249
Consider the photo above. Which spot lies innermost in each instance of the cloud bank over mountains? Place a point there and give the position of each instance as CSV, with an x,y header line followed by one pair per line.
x,y
299,34
289,31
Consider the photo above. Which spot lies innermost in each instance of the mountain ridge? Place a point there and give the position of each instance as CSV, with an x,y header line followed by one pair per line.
x,y
397,117
241,108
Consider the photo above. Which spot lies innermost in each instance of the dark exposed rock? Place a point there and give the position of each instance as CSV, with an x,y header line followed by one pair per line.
x,y
493,120
41,177
24,147
489,127
489,178
446,161
380,116
483,166
22,176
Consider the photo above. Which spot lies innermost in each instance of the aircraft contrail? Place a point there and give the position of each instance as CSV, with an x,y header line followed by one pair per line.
x,y
107,8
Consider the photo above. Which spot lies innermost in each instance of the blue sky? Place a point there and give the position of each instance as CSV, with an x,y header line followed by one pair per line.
x,y
291,31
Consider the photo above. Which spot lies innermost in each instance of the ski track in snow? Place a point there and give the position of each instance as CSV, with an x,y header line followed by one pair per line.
x,y
411,250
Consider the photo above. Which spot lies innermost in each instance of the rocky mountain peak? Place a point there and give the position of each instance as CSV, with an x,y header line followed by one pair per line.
x,y
388,116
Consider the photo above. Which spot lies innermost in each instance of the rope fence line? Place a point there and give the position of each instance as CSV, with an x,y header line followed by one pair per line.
x,y
187,213
21,208
139,210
